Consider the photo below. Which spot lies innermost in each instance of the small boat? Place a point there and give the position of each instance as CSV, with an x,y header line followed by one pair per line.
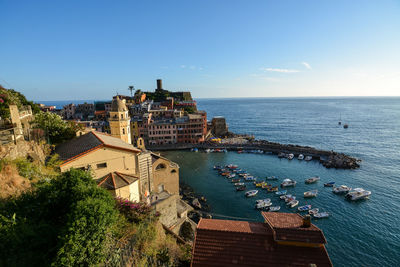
x,y
236,180
290,156
300,157
208,150
343,189
321,215
345,126
263,204
289,199
238,184
284,197
308,158
243,174
250,178
271,178
358,194
281,155
293,203
216,167
272,189
257,184
313,211
312,193
274,208
231,166
195,149
288,182
280,193
241,188
251,193
330,184
312,180
263,200
266,186
304,208
230,176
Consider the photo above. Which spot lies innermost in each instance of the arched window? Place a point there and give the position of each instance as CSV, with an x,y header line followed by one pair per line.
x,y
160,166
173,171
122,116
123,130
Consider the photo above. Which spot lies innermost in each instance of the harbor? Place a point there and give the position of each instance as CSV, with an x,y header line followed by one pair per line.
x,y
328,159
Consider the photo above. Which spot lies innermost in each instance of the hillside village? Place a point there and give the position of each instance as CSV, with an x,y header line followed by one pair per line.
x,y
104,198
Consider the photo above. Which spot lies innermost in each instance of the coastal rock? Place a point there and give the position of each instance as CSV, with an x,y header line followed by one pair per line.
x,y
196,203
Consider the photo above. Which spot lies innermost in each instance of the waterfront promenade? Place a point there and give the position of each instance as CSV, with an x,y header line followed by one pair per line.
x,y
329,159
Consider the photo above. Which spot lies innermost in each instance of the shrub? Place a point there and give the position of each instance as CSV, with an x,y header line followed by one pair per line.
x,y
133,212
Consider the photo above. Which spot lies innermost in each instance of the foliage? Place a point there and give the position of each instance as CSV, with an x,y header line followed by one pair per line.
x,y
189,109
34,171
55,127
133,212
186,231
64,222
12,97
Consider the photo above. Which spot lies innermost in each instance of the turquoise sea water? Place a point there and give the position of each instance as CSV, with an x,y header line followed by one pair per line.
x,y
365,233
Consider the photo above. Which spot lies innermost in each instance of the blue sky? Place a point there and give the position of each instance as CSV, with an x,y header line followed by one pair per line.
x,y
69,50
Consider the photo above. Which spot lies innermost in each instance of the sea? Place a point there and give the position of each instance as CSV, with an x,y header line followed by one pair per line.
x,y
363,233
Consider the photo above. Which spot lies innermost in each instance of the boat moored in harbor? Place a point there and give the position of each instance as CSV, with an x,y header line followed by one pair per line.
x,y
274,208
251,193
293,203
288,182
312,180
321,215
358,194
312,193
308,158
330,184
313,211
304,208
343,189
280,193
300,157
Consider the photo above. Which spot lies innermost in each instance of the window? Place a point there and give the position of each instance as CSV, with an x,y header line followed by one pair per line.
x,y
173,171
102,165
122,116
160,166
123,130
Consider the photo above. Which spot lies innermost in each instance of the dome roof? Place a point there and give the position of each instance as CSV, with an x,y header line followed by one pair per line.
x,y
118,105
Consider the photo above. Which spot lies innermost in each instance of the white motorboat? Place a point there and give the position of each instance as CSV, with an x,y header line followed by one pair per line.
x,y
290,156
300,157
343,189
312,193
289,199
293,203
321,215
263,200
271,178
313,211
358,194
263,205
280,193
308,158
312,180
208,150
251,193
304,208
239,184
288,182
274,208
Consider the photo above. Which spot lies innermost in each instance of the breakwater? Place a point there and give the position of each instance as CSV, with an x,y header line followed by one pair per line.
x,y
329,159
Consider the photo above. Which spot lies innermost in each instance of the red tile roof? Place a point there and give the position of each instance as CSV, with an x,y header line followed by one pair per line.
x,y
115,180
289,227
240,243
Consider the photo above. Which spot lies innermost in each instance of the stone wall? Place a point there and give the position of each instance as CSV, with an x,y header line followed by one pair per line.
x,y
23,149
168,210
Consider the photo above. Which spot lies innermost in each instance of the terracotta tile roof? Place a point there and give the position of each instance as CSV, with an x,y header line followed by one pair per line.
x,y
115,180
89,142
238,243
288,227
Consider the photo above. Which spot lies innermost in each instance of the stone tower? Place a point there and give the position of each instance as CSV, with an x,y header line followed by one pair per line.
x,y
120,121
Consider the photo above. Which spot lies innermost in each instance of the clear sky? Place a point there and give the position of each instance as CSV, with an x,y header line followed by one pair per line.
x,y
70,50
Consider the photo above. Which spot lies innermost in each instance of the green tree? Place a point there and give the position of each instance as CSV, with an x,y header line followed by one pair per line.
x,y
64,222
56,129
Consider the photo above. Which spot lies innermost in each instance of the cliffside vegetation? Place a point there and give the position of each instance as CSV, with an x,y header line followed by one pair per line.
x,y
56,129
12,97
67,220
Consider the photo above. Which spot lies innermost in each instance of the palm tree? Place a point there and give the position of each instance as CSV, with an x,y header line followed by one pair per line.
x,y
131,88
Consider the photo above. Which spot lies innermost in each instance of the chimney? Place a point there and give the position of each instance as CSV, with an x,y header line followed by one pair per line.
x,y
159,84
306,221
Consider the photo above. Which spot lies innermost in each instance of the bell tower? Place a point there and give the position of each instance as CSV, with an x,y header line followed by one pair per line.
x,y
120,122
